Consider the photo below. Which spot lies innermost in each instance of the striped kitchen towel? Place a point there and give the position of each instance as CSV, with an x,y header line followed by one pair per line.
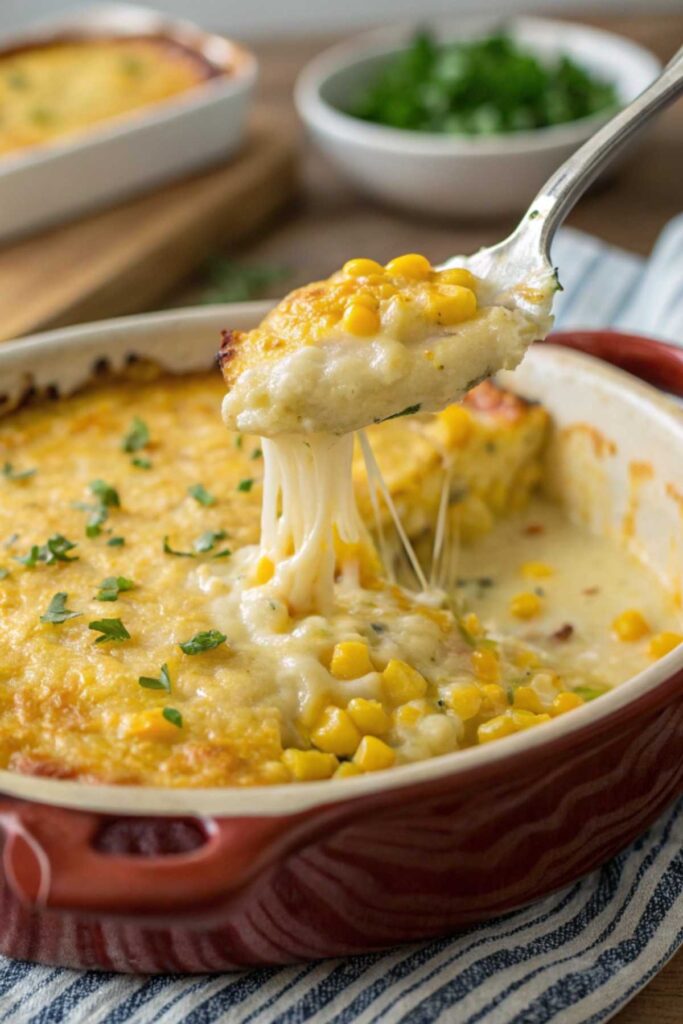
x,y
575,958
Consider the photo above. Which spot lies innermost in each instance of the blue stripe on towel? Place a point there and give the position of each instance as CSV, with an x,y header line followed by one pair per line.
x,y
574,958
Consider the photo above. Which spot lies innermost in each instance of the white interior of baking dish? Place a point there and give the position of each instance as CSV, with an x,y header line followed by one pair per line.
x,y
616,462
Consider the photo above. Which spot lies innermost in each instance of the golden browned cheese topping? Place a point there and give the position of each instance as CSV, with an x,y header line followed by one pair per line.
x,y
50,91
142,642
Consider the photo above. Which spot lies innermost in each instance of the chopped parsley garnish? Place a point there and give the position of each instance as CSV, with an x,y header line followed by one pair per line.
x,y
140,462
56,550
107,497
229,281
116,542
203,544
200,494
246,485
208,540
57,612
10,473
238,441
105,493
111,629
162,683
137,436
256,454
489,85
112,586
173,716
4,573
204,641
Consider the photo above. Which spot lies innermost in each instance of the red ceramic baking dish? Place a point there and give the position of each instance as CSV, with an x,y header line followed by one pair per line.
x,y
150,880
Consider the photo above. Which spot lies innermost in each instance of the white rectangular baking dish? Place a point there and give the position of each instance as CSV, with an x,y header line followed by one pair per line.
x,y
45,184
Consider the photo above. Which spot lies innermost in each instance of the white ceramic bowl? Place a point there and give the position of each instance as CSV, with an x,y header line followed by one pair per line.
x,y
45,184
449,175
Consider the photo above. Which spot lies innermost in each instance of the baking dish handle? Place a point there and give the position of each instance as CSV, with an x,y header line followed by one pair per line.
x,y
656,362
52,860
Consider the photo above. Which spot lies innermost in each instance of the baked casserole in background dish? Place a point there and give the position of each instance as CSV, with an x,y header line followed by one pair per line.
x,y
55,89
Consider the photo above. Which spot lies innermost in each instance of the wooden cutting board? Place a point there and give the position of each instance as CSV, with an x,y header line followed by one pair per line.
x,y
124,259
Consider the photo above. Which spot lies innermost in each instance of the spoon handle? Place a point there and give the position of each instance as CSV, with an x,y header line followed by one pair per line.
x,y
570,181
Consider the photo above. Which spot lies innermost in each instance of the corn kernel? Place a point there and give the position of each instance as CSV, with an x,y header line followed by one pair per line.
x,y
457,424
408,715
465,701
365,299
495,698
525,605
457,275
309,765
663,643
454,308
360,320
402,682
566,701
496,728
536,570
335,733
527,659
374,755
472,624
369,716
362,268
151,725
527,719
412,266
347,770
275,773
485,665
630,626
265,570
527,699
350,660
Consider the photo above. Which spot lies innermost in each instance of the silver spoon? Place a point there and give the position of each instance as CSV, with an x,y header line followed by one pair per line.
x,y
525,255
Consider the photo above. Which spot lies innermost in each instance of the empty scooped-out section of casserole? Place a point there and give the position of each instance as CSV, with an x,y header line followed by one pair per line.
x,y
144,640
55,89
374,342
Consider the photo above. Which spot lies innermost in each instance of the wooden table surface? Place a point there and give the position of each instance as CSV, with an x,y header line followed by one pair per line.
x,y
330,222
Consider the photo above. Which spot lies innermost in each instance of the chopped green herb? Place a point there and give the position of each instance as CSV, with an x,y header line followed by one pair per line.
x,y
200,494
56,550
137,436
410,411
233,282
105,493
140,462
483,86
112,586
208,540
179,554
256,454
238,441
4,573
204,641
57,612
116,542
173,716
111,629
590,692
10,473
162,683
245,485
